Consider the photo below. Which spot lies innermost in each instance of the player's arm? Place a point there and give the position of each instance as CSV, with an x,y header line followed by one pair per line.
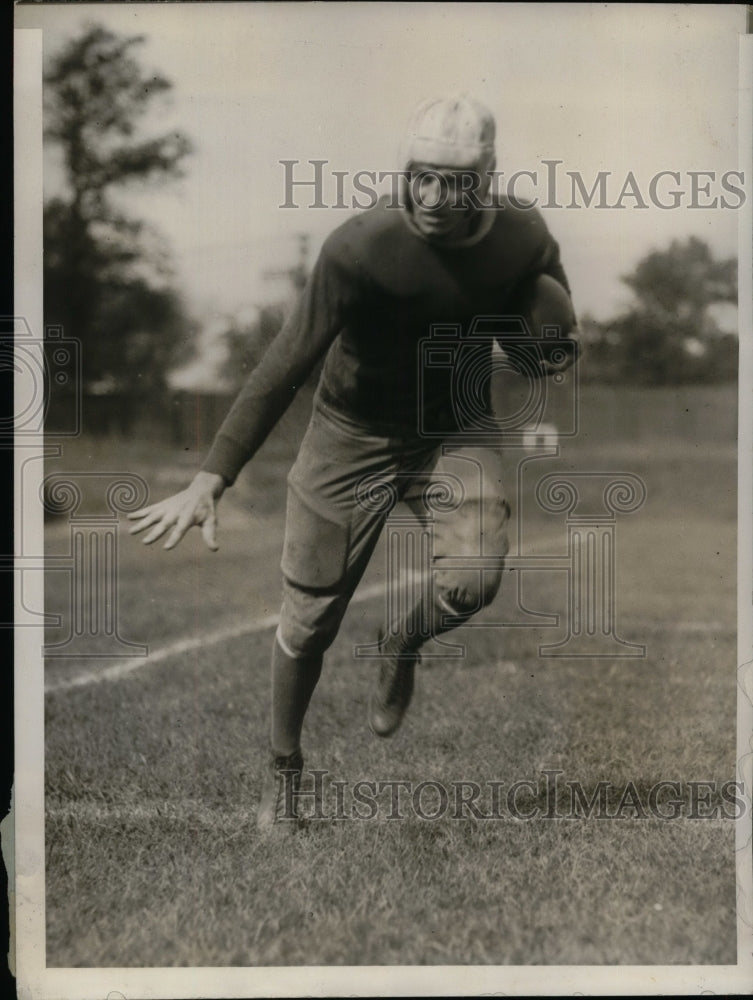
x,y
269,390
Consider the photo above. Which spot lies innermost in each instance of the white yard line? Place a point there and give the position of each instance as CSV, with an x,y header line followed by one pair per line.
x,y
189,811
239,820
128,665
694,628
122,668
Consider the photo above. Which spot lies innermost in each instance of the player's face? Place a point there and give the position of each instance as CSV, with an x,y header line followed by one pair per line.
x,y
441,199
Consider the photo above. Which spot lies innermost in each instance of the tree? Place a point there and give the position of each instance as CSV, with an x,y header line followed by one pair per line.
x,y
682,281
106,275
669,335
245,343
599,361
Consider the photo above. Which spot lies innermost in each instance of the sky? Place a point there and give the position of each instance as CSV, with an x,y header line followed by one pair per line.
x,y
600,87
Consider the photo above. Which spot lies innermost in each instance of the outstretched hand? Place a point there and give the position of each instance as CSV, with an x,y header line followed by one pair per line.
x,y
195,505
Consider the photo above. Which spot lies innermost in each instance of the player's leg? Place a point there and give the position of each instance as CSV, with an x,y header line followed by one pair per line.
x,y
468,518
329,538
294,679
475,532
316,592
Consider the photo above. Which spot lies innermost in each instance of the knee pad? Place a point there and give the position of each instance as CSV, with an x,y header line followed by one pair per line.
x,y
303,643
309,620
462,593
301,646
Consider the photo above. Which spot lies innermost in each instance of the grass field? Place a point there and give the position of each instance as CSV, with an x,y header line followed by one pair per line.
x,y
153,777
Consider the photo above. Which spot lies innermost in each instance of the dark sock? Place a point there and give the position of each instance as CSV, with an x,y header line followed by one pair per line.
x,y
419,625
293,683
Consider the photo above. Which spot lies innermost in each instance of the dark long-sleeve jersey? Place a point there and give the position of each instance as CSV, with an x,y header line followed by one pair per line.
x,y
377,290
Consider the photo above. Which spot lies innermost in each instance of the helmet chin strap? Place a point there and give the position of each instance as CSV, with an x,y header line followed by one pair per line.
x,y
472,220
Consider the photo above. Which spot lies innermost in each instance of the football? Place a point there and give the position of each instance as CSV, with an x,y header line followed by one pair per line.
x,y
551,335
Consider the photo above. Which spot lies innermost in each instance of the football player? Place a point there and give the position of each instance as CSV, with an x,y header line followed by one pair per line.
x,y
450,251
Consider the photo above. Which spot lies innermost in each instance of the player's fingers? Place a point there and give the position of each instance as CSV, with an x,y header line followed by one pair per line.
x,y
141,512
169,508
173,538
209,531
157,532
147,521
182,525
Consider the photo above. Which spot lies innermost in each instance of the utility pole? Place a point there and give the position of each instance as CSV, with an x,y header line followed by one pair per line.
x,y
299,272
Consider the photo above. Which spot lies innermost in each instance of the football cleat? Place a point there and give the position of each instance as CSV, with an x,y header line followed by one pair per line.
x,y
278,808
393,690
